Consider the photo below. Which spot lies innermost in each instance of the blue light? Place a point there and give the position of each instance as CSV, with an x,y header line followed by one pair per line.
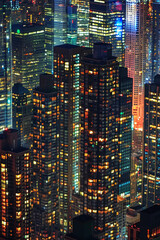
x,y
118,25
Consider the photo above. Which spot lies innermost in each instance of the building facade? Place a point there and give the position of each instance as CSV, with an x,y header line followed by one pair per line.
x,y
5,66
28,54
135,52
14,188
107,24
125,131
22,113
151,153
67,60
99,138
45,165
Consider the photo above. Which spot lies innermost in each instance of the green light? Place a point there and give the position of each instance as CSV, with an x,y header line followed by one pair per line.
x,y
121,113
18,31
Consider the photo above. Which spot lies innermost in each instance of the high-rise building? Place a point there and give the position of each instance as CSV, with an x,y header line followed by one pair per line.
x,y
99,138
5,65
14,188
151,153
135,52
83,23
22,113
45,159
153,46
72,24
55,29
28,54
107,24
125,131
67,59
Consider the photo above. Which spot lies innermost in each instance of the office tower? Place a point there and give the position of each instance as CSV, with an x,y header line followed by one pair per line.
x,y
107,24
28,54
49,36
83,228
136,14
149,225
67,60
153,47
72,24
99,138
83,23
55,29
5,66
45,159
149,36
22,113
151,166
14,188
125,131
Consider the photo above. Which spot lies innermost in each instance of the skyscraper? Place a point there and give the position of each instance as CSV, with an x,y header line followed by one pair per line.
x,y
55,29
45,164
153,46
125,131
67,61
5,65
72,24
83,23
14,188
151,153
136,15
107,24
99,138
28,54
22,113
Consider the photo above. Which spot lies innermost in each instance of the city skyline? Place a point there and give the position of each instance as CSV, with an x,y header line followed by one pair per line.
x,y
79,119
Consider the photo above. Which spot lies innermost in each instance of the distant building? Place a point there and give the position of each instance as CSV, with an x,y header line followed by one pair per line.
x,y
45,159
5,66
135,55
14,188
151,153
22,113
107,24
28,54
83,22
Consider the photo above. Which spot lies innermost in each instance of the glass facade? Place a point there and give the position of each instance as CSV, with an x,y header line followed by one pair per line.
x,y
125,131
28,54
107,24
83,23
5,66
135,52
55,29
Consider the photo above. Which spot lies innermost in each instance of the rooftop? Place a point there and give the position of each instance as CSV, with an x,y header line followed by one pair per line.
x,y
151,210
19,89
